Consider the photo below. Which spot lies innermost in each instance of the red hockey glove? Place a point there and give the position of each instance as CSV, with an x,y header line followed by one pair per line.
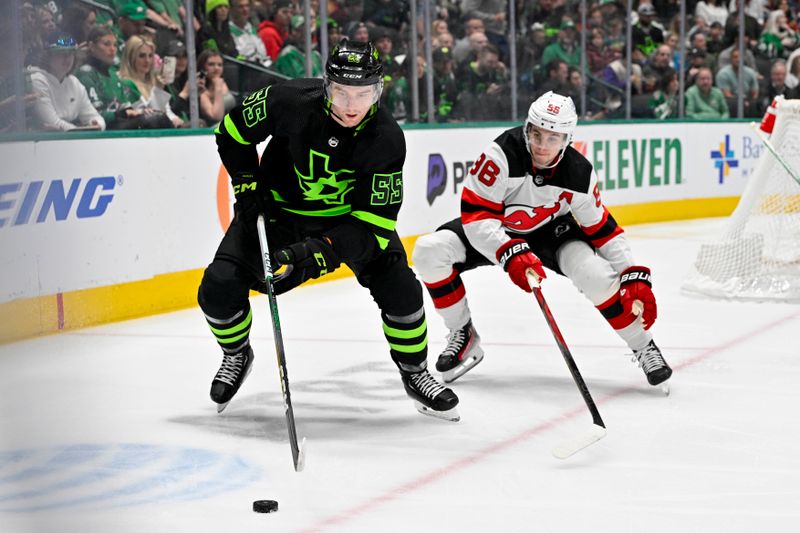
x,y
636,294
517,259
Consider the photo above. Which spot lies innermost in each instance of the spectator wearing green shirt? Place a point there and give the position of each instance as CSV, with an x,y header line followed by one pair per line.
x,y
703,100
564,48
292,60
109,96
728,82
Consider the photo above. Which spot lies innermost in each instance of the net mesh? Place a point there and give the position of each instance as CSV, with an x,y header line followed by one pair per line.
x,y
757,257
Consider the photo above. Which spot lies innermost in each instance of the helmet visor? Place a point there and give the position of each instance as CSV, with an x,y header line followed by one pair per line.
x,y
353,96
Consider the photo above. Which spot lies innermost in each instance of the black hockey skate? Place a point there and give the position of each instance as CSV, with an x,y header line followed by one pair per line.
x,y
230,376
652,362
463,352
430,397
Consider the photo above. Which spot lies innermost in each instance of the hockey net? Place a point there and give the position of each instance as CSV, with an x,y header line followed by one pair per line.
x,y
757,257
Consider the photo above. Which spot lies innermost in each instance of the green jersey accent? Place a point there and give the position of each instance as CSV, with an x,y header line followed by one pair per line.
x,y
410,348
332,212
322,184
254,108
386,223
405,333
387,188
237,328
232,130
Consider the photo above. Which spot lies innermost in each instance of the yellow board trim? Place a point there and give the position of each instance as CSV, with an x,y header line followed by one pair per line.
x,y
29,317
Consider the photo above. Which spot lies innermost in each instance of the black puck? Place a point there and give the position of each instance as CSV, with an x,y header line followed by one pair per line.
x,y
265,506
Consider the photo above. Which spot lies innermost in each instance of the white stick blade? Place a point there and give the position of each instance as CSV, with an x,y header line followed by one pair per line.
x,y
301,456
574,445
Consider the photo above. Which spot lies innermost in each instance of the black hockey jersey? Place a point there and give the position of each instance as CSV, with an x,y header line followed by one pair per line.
x,y
503,193
314,167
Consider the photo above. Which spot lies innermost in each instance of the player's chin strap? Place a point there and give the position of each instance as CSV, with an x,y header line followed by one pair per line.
x,y
554,163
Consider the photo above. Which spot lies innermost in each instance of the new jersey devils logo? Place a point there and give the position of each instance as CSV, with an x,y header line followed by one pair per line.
x,y
527,218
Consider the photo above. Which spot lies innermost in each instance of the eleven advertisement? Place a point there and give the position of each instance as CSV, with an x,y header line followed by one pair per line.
x,y
91,213
635,163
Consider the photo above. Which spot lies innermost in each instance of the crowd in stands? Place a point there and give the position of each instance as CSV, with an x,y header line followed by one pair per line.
x,y
123,64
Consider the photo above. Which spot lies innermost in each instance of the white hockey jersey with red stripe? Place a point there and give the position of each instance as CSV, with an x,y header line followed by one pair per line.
x,y
504,193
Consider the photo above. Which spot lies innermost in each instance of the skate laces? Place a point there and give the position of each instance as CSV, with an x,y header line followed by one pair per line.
x,y
456,341
649,358
231,366
426,384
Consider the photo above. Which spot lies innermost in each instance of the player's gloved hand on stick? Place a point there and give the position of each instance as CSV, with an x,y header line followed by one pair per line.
x,y
249,200
517,259
636,294
305,260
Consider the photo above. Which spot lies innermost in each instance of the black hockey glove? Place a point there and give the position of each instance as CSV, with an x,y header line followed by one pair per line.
x,y
305,260
249,200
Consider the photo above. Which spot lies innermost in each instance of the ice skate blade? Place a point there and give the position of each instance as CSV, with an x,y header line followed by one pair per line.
x,y
221,406
449,376
450,415
664,387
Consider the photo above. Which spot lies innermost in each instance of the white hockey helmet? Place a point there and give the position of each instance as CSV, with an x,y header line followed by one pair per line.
x,y
552,112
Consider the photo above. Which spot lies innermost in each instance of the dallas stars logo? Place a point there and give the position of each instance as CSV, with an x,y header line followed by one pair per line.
x,y
321,184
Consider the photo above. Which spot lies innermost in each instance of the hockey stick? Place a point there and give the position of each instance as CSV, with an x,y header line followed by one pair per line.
x,y
577,443
298,452
774,151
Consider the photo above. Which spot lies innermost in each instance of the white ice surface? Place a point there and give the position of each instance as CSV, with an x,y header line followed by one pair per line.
x,y
110,429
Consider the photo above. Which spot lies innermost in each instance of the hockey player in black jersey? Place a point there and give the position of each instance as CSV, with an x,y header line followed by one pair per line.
x,y
531,200
330,182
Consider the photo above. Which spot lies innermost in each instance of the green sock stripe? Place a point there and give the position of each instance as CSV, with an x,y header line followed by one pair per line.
x,y
405,333
231,340
235,329
410,348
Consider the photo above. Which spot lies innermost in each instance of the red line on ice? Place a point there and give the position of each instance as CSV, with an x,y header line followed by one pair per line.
x,y
456,466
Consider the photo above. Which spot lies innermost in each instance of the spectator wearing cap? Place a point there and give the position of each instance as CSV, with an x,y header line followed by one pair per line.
x,y
565,47
273,32
493,14
216,32
131,20
112,99
646,35
62,103
382,39
78,20
248,43
358,31
703,100
292,59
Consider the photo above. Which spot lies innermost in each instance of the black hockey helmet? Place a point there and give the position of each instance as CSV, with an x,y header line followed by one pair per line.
x,y
354,63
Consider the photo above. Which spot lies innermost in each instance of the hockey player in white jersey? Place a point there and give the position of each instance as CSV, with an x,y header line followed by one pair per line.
x,y
531,200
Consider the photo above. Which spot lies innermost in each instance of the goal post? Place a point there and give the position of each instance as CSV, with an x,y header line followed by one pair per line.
x,y
757,256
